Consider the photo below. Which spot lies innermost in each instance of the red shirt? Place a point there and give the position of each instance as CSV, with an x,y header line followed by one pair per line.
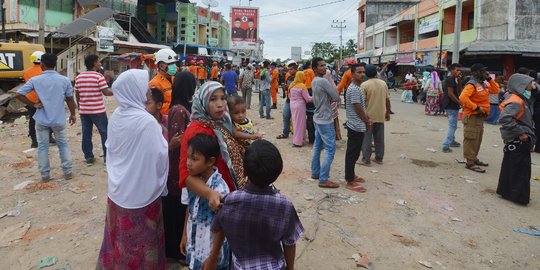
x,y
193,129
89,85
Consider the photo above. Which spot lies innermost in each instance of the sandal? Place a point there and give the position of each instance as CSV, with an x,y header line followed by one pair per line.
x,y
355,187
328,184
480,163
282,136
474,167
358,179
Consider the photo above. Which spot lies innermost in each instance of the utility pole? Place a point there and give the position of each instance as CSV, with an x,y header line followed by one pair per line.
x,y
457,32
339,24
3,3
41,19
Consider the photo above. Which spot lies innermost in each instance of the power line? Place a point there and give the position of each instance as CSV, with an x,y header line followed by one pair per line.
x,y
339,25
299,9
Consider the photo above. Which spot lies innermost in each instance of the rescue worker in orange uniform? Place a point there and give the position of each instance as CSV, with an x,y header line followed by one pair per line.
x,y
309,75
30,72
202,75
274,84
166,61
193,67
475,100
346,80
215,72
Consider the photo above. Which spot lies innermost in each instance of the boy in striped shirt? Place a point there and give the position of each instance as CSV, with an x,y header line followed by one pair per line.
x,y
90,86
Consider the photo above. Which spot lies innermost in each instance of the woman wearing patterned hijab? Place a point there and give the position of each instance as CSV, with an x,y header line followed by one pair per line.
x,y
209,115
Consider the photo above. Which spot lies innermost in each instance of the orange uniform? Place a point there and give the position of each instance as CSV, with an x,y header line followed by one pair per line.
x,y
477,95
309,75
201,73
161,82
193,69
30,72
274,85
214,73
345,81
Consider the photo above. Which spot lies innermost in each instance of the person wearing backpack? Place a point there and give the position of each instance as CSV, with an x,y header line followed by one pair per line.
x,y
517,132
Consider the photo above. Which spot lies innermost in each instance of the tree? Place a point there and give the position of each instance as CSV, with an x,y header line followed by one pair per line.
x,y
350,48
325,50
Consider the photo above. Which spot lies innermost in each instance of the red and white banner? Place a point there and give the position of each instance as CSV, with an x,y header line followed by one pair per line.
x,y
244,27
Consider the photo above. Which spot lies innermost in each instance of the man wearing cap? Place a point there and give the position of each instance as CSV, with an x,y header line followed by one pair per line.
x,y
292,66
475,100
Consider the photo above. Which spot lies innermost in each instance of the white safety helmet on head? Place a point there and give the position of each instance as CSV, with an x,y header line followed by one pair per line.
x,y
36,56
291,62
167,56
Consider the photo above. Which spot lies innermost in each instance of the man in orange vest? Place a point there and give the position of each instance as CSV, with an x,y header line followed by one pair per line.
x,y
202,75
475,100
166,61
30,72
192,68
310,108
215,72
274,84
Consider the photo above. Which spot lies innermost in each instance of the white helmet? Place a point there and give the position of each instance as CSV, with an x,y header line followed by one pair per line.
x,y
291,62
167,56
36,56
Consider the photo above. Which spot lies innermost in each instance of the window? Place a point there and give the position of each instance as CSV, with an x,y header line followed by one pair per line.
x,y
183,25
183,19
470,20
193,40
183,32
362,15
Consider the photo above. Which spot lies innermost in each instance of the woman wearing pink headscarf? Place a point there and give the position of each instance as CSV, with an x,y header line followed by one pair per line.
x,y
433,89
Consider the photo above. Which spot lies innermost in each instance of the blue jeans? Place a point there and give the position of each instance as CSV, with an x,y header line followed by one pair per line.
x,y
286,119
87,122
325,138
494,114
60,133
452,127
264,100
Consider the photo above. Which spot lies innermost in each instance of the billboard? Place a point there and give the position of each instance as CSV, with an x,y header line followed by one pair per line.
x,y
105,39
244,28
296,53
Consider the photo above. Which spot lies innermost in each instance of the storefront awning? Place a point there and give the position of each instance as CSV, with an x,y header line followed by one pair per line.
x,y
363,55
503,47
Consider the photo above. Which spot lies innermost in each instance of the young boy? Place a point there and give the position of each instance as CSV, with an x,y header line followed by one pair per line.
x,y
197,239
154,103
243,126
260,224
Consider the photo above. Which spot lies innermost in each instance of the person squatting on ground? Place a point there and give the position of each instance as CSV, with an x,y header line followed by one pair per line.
x,y
325,134
475,100
287,113
517,132
137,178
90,87
263,209
52,89
378,110
451,104
264,93
197,240
358,123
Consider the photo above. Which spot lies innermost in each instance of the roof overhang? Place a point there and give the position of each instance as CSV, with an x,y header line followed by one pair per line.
x,y
83,23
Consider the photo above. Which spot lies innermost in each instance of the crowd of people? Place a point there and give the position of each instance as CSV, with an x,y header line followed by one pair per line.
x,y
190,178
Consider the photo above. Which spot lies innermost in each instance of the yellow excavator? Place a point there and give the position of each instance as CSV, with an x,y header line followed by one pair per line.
x,y
14,59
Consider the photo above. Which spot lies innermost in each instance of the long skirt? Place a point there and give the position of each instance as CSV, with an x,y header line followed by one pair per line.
x,y
432,104
515,176
298,113
133,238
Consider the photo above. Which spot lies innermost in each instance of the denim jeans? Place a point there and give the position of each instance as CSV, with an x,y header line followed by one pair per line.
x,y
60,133
264,100
87,122
494,114
287,119
452,127
325,138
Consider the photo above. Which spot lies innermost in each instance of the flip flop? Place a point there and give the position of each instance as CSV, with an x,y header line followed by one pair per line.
x,y
475,168
480,163
357,188
358,179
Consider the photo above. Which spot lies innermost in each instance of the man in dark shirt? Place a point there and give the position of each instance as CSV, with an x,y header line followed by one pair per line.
x,y
451,104
237,31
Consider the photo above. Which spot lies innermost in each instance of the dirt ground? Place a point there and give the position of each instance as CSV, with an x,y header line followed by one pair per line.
x,y
420,205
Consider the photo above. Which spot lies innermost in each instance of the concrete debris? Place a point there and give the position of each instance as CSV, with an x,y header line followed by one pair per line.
x,y
426,264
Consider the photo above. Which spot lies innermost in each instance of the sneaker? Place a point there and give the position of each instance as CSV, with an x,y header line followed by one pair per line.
x,y
273,107
455,144
446,150
90,160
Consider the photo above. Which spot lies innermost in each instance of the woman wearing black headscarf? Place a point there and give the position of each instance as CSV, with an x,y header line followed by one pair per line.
x,y
173,211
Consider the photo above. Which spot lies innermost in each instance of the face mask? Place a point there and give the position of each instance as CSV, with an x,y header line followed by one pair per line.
x,y
527,94
171,69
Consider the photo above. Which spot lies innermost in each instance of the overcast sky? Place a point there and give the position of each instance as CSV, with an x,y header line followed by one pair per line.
x,y
300,28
